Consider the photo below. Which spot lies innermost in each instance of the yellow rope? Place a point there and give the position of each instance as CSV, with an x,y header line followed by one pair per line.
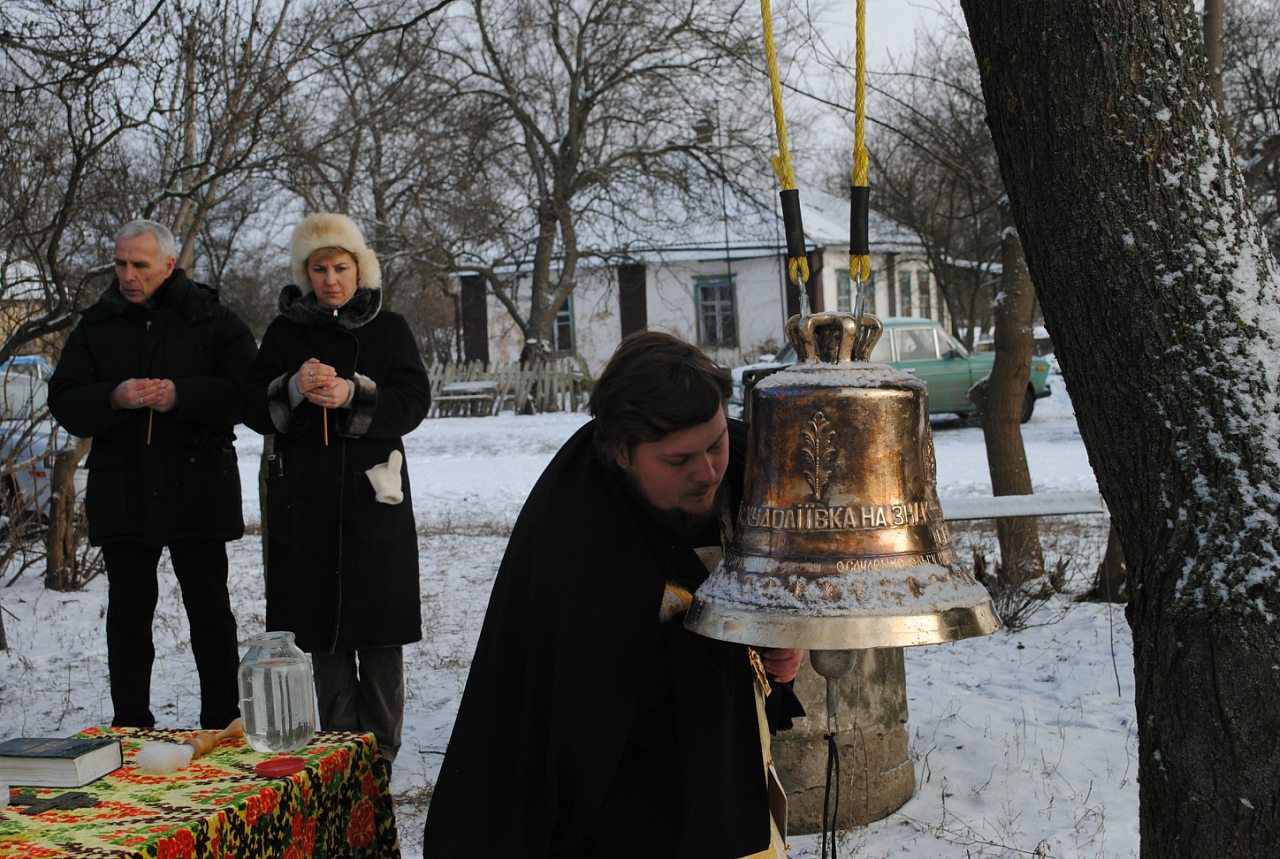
x,y
781,161
860,265
797,267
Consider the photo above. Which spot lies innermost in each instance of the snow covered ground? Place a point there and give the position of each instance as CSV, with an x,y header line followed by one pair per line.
x,y
1023,744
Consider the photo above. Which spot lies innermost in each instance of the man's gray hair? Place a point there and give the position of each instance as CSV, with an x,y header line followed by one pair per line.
x,y
141,226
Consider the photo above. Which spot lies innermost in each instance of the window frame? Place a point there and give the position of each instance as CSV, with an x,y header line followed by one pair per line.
x,y
564,318
707,309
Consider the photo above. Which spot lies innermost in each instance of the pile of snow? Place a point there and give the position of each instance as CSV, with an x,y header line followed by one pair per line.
x,y
1022,744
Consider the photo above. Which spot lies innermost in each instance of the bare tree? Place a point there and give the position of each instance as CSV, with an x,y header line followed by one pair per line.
x,y
936,172
1161,293
108,116
228,67
597,120
70,94
379,136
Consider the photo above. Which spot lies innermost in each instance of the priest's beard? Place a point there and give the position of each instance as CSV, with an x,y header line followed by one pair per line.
x,y
678,522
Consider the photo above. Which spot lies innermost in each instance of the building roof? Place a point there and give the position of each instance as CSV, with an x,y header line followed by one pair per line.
x,y
753,227
750,226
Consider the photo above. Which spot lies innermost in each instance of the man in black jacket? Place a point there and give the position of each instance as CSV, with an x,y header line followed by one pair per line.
x,y
593,723
150,374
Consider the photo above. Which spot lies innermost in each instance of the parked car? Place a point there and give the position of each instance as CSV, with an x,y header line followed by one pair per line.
x,y
29,441
922,347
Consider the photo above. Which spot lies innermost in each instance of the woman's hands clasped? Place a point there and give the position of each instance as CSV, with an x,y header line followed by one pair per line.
x,y
321,384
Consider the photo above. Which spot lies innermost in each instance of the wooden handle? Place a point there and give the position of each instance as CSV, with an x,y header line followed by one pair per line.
x,y
207,741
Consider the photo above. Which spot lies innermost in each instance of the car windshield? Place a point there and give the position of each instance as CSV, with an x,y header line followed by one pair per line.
x,y
914,343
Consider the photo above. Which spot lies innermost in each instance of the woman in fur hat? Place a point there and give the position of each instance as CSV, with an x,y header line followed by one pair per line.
x,y
339,380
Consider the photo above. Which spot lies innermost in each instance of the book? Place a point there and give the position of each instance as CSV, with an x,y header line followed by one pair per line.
x,y
58,762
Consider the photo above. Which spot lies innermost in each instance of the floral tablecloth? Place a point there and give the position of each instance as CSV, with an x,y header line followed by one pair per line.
x,y
338,806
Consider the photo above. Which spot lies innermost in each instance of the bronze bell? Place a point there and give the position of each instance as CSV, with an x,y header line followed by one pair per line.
x,y
840,542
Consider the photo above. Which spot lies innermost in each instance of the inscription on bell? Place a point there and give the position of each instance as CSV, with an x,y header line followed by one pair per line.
x,y
854,517
945,556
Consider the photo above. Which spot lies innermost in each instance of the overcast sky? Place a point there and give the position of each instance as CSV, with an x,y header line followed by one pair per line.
x,y
891,24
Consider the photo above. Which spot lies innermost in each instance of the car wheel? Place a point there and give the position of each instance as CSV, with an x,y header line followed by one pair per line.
x,y
1028,405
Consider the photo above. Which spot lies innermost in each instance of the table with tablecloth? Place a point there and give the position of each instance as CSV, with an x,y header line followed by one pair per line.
x,y
339,805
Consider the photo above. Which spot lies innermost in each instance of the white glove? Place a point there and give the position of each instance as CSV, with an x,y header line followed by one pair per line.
x,y
386,479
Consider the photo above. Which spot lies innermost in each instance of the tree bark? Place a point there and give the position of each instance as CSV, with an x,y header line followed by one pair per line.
x,y
1110,582
62,571
1002,396
1159,290
1214,18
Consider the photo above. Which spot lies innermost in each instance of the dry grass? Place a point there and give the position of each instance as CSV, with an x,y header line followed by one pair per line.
x,y
1073,547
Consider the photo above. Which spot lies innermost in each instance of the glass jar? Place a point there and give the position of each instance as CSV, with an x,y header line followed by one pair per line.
x,y
277,694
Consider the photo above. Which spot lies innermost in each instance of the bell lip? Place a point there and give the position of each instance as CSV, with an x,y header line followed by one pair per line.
x,y
764,628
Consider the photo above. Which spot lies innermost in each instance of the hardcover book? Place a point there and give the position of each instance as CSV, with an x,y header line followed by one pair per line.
x,y
57,762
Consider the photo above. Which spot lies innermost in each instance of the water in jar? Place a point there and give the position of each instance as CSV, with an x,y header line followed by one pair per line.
x,y
277,701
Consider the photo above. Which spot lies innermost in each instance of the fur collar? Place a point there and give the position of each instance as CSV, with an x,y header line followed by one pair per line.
x,y
305,309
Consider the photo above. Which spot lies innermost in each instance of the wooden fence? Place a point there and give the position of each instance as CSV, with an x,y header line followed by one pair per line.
x,y
473,389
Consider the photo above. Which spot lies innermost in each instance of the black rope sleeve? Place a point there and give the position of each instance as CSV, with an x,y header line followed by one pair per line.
x,y
792,222
859,244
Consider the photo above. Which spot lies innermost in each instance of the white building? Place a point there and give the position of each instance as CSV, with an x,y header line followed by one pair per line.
x,y
721,285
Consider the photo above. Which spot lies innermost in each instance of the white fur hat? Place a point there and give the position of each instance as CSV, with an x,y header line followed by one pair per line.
x,y
328,230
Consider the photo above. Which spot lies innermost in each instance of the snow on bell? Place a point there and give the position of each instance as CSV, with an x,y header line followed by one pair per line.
x,y
840,542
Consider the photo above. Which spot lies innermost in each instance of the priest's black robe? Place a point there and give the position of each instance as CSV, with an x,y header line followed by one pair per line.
x,y
588,728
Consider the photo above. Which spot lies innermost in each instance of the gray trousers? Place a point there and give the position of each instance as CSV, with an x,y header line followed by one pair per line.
x,y
363,690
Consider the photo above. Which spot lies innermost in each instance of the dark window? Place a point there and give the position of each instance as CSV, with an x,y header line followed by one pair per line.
x,y
632,309
926,297
904,294
475,319
562,331
717,316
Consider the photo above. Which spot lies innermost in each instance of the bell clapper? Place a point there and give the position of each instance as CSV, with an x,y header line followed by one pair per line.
x,y
833,664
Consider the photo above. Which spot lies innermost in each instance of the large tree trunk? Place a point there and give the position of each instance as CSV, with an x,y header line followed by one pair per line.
x,y
1160,293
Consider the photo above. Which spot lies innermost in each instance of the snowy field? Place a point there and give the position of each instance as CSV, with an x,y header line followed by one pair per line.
x,y
1023,744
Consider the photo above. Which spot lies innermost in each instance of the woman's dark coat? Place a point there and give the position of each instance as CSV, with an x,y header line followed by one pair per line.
x,y
342,568
185,483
